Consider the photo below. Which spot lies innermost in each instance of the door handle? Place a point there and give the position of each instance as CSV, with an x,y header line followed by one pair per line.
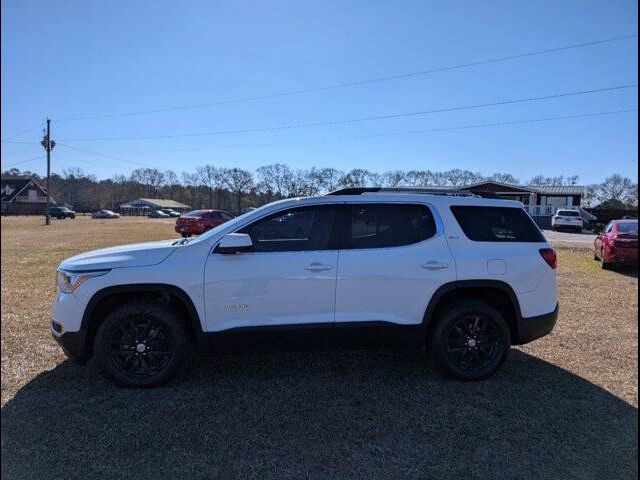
x,y
433,265
317,267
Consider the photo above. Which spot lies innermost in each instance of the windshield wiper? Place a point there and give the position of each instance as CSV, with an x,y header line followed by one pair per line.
x,y
182,241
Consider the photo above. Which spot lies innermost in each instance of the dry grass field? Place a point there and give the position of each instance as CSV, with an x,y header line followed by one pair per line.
x,y
563,407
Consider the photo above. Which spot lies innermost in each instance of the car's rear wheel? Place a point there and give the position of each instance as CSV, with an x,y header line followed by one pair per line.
x,y
471,341
141,344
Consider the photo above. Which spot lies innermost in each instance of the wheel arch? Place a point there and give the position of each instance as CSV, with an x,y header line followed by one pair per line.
x,y
106,299
495,293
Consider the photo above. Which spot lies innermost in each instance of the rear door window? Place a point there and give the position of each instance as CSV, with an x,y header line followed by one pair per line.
x,y
388,225
497,224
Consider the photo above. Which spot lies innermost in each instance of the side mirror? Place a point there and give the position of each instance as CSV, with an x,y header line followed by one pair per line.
x,y
233,243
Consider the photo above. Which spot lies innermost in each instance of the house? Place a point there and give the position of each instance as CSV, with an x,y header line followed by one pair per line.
x,y
23,196
541,201
142,206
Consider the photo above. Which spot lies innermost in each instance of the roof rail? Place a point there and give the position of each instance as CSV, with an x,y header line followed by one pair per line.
x,y
424,191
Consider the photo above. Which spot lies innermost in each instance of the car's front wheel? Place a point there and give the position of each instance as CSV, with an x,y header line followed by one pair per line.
x,y
141,344
471,340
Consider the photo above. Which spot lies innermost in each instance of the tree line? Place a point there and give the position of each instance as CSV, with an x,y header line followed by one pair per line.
x,y
234,189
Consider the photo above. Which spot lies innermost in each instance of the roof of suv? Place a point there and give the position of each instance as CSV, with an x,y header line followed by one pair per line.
x,y
419,195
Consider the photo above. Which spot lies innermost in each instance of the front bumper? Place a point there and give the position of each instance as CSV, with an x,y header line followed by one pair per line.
x,y
189,229
74,345
532,328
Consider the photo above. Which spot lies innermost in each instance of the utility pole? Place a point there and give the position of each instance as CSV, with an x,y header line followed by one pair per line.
x,y
48,145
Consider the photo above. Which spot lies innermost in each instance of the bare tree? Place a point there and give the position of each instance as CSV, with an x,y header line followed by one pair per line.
x,y
458,178
631,197
151,178
239,182
359,177
210,177
616,187
590,196
556,180
418,178
504,178
275,180
328,179
394,178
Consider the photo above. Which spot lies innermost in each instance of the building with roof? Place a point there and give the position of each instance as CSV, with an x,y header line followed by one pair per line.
x,y
142,206
541,201
23,196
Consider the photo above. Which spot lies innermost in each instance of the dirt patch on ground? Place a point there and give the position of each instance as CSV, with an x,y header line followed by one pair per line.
x,y
563,407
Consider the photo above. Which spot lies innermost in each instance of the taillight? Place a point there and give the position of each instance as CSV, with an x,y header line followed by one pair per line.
x,y
550,256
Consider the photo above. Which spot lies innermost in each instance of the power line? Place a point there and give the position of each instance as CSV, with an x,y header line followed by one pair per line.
x,y
431,130
20,143
354,83
24,161
89,152
18,134
5,155
361,119
391,134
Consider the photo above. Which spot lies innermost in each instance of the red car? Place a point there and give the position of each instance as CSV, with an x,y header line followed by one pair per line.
x,y
200,221
618,244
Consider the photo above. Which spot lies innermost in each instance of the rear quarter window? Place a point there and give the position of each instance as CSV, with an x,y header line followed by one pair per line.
x,y
497,224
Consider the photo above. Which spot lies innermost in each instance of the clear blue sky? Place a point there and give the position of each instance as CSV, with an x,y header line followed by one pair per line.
x,y
77,58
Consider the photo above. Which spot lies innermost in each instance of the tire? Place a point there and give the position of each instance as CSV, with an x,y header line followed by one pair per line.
x,y
457,347
151,359
185,235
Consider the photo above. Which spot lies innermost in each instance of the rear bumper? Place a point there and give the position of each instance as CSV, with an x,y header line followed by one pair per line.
x,y
568,226
532,328
623,257
74,345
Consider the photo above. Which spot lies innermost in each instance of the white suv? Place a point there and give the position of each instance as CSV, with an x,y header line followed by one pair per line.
x,y
568,220
464,276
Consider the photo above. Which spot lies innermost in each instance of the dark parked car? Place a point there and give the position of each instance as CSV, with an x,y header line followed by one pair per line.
x,y
199,221
105,214
158,214
617,244
61,213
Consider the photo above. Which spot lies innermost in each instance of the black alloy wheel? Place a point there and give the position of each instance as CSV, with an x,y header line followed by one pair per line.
x,y
141,344
470,341
473,342
140,347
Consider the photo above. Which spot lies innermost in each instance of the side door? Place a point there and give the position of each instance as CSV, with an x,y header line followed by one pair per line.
x,y
288,278
394,258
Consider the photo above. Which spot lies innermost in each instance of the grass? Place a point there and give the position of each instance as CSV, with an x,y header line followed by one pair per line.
x,y
564,406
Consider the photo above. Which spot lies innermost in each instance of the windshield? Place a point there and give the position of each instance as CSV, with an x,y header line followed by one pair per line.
x,y
195,213
569,213
628,227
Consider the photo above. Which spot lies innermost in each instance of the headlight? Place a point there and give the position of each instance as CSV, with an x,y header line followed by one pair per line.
x,y
67,282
